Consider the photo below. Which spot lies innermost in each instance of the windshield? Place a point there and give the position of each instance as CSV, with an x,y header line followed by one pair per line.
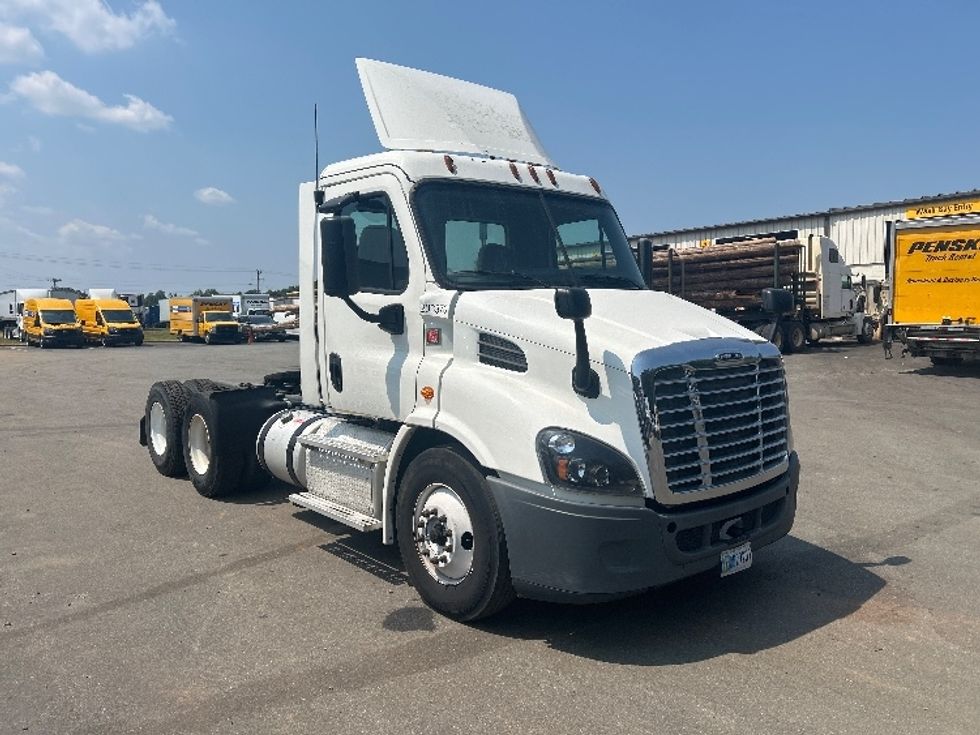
x,y
58,316
480,236
217,316
118,315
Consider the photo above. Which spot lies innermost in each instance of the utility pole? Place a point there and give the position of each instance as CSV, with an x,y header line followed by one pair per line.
x,y
55,282
258,280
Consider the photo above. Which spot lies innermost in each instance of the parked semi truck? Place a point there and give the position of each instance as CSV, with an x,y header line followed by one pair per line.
x,y
51,323
206,318
109,322
518,415
728,277
934,284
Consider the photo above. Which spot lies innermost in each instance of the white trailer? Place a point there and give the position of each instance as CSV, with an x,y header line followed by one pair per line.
x,y
486,381
8,313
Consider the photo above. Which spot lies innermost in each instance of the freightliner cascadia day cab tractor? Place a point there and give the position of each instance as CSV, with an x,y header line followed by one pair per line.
x,y
108,322
51,323
486,379
207,318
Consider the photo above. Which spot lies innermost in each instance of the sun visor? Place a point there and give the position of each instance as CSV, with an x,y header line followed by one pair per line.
x,y
420,111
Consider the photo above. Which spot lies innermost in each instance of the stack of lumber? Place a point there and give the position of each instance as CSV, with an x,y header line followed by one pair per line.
x,y
726,277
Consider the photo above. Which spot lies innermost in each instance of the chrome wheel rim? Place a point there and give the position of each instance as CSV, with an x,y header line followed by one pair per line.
x,y
443,534
158,428
199,444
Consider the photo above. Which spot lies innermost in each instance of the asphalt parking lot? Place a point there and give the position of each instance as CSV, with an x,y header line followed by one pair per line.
x,y
128,603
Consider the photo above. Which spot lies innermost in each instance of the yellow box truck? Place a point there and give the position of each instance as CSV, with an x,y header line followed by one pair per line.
x,y
51,323
934,281
204,317
108,322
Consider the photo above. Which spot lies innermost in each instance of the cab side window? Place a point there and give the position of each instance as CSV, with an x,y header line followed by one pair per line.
x,y
382,261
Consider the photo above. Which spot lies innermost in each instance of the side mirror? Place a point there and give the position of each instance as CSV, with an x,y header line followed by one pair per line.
x,y
573,303
338,256
777,300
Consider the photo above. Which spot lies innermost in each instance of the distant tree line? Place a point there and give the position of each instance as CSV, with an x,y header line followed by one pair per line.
x,y
151,299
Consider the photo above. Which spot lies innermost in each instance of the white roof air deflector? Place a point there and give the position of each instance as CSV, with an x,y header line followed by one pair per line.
x,y
420,111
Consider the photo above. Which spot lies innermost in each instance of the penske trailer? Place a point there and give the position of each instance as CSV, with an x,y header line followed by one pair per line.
x,y
935,289
486,380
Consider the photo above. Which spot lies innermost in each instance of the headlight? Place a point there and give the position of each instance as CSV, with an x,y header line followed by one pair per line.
x,y
576,461
113,330
48,332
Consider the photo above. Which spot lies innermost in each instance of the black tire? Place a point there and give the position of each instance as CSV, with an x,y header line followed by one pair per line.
x,y
777,339
281,338
138,342
105,342
486,588
795,340
172,398
204,385
207,338
213,473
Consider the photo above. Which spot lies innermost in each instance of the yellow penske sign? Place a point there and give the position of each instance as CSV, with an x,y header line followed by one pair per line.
x,y
943,209
937,275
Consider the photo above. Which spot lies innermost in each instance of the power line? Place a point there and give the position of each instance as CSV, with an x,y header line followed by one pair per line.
x,y
132,265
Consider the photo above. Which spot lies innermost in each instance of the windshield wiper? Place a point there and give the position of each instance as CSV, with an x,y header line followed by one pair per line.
x,y
609,278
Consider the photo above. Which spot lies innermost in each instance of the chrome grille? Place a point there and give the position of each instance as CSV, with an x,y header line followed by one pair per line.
x,y
718,424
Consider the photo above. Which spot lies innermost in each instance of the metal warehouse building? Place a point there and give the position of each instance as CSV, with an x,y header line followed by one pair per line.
x,y
861,232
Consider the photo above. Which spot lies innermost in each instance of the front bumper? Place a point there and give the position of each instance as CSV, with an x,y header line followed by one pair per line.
x,y
125,338
63,340
561,550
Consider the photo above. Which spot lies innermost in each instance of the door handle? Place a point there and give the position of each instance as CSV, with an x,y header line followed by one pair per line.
x,y
336,370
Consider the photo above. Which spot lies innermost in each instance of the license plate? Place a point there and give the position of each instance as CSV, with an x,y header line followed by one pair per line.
x,y
736,560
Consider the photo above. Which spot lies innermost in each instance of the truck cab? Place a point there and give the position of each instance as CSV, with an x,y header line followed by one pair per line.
x,y
486,380
108,322
51,323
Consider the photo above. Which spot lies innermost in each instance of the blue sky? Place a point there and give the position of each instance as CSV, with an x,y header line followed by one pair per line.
x,y
687,113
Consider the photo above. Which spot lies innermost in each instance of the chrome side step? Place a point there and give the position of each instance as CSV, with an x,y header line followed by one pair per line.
x,y
335,511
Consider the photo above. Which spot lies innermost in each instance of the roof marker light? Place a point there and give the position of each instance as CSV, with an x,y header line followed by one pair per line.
x,y
551,176
449,163
513,170
534,174
595,185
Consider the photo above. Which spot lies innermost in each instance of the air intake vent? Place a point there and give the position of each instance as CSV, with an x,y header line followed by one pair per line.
x,y
502,353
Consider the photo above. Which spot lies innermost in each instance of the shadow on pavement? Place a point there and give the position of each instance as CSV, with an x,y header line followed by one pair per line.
x,y
794,589
965,370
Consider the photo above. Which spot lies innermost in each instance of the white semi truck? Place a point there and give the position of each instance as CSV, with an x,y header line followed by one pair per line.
x,y
486,380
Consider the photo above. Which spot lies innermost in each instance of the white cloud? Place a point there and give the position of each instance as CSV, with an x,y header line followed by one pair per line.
x,y
79,229
18,45
213,196
52,95
10,171
91,24
37,209
152,223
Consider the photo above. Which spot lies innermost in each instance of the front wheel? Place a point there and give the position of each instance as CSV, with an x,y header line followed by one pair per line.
x,y
207,338
451,538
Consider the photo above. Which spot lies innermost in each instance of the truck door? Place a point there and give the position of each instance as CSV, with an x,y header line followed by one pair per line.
x,y
833,304
365,370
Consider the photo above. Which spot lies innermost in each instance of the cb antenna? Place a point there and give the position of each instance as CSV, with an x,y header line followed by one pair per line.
x,y
318,192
